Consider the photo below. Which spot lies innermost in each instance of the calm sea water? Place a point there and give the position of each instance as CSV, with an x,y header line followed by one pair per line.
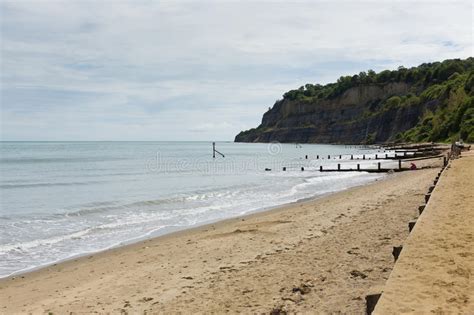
x,y
63,199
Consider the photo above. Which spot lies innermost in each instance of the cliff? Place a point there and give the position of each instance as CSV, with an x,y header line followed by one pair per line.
x,y
431,102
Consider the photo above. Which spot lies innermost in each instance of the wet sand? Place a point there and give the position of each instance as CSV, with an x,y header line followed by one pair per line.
x,y
314,256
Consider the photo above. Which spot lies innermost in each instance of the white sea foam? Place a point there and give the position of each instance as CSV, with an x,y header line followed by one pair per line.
x,y
89,197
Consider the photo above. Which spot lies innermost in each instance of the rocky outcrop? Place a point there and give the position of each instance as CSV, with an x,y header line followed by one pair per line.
x,y
359,115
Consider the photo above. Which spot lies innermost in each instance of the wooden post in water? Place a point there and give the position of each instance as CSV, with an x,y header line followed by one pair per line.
x,y
317,157
379,166
306,157
444,161
338,167
363,157
284,169
399,164
329,156
302,168
321,168
376,156
214,151
386,155
358,167
340,157
352,156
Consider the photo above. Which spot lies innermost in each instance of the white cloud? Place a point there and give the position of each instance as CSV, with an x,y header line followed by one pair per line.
x,y
163,70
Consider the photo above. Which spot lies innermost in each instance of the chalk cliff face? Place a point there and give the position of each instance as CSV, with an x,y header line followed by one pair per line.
x,y
359,115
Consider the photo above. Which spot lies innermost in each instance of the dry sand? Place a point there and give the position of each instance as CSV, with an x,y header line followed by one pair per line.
x,y
315,256
435,271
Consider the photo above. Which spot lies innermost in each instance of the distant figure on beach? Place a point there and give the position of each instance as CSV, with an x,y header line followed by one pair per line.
x,y
412,166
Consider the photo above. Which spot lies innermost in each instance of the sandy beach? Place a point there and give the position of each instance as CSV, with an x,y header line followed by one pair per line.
x,y
433,274
321,255
236,157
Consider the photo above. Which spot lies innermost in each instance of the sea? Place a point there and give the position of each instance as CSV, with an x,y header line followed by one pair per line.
x,y
60,200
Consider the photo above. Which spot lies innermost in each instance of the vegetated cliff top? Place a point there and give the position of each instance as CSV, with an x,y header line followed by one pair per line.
x,y
431,102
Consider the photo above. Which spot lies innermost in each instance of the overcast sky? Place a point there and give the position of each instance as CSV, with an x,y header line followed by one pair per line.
x,y
198,70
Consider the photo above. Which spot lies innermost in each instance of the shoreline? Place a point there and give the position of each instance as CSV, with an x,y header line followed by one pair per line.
x,y
173,229
289,258
170,230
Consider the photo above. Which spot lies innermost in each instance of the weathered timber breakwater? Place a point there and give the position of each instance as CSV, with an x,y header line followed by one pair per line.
x,y
402,154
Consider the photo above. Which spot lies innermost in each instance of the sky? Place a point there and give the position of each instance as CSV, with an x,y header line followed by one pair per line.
x,y
198,70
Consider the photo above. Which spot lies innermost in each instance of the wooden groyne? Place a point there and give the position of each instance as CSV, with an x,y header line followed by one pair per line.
x,y
358,168
375,156
402,153
399,152
417,146
379,168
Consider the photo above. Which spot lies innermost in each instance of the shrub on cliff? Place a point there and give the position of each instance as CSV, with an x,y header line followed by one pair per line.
x,y
440,98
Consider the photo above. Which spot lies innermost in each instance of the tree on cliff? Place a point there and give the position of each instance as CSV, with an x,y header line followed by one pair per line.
x,y
441,92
